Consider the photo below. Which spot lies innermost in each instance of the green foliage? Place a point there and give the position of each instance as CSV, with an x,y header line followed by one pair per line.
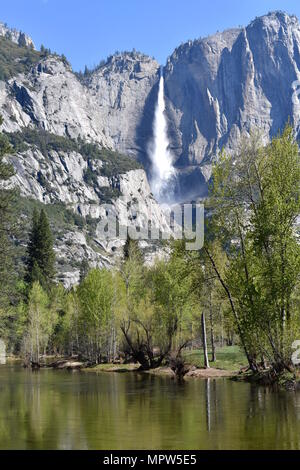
x,y
154,306
256,200
43,140
84,269
96,320
61,219
245,280
88,72
132,252
90,177
171,295
7,208
114,163
228,358
16,59
40,323
41,257
132,272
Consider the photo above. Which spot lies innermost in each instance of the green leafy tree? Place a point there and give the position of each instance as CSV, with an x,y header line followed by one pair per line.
x,y
256,202
156,308
96,322
41,256
134,301
66,339
214,301
8,292
132,271
6,225
84,269
40,324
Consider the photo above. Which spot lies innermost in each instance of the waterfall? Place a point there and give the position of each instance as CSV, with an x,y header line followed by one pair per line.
x,y
162,169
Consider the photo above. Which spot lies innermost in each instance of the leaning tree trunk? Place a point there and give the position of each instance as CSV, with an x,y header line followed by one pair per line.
x,y
251,361
204,340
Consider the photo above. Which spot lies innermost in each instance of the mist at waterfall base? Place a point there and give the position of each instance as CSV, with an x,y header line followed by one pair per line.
x,y
163,173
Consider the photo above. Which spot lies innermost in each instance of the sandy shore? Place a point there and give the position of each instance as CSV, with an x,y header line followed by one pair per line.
x,y
194,372
162,371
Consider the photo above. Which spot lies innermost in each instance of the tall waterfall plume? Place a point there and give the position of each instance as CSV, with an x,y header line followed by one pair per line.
x,y
162,171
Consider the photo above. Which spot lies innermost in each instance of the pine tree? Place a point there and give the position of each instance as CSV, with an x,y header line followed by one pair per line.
x,y
131,249
6,224
84,269
41,257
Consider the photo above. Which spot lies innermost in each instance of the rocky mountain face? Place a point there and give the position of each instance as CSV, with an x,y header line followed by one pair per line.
x,y
16,36
79,184
107,107
216,89
47,107
222,86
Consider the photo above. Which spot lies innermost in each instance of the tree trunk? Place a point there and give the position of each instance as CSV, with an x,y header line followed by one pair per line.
x,y
204,341
207,396
251,362
213,346
212,336
222,332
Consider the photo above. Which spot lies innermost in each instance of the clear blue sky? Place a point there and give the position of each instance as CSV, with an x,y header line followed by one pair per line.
x,y
87,31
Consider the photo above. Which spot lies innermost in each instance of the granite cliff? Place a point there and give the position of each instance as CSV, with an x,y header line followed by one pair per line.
x,y
227,84
216,89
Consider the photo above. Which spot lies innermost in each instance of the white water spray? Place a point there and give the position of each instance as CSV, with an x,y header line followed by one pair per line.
x,y
160,155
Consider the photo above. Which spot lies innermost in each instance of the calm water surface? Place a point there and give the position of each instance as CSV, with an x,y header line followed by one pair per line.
x,y
72,410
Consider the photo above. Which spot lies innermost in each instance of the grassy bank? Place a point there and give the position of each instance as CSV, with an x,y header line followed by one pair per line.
x,y
230,361
228,358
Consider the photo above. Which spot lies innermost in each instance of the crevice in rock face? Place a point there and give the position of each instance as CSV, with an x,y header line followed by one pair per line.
x,y
144,130
24,99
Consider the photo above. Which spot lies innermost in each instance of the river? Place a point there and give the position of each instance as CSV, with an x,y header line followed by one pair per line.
x,y
51,409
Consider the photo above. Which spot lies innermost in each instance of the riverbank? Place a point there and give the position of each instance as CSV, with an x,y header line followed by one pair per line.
x,y
230,363
208,373
161,371
285,380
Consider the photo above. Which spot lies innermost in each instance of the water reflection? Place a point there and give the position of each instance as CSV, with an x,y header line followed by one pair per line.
x,y
65,410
